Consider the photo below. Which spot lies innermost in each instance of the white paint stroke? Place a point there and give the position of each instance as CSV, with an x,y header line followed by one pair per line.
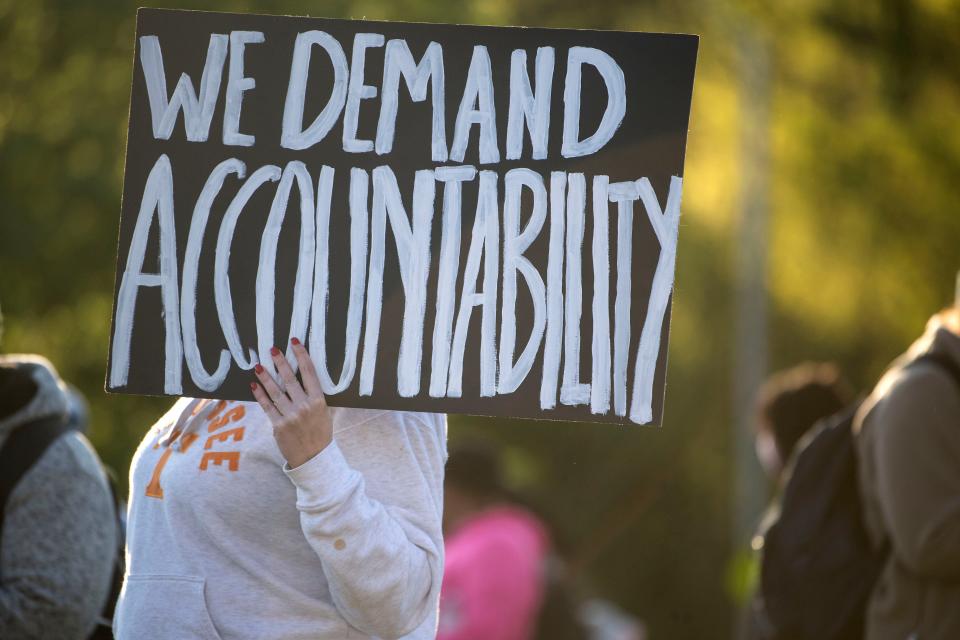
x,y
413,252
157,198
478,91
293,136
358,91
453,179
624,194
197,111
221,267
191,265
515,243
398,62
553,344
267,266
600,345
527,108
237,84
613,114
666,224
485,243
359,188
572,391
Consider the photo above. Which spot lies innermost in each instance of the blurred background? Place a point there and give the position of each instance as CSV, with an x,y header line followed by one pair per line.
x,y
820,221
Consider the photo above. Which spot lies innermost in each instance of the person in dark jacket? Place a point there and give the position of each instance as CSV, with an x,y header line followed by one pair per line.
x,y
909,452
59,526
789,405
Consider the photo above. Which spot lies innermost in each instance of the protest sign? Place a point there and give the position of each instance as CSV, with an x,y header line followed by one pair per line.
x,y
453,218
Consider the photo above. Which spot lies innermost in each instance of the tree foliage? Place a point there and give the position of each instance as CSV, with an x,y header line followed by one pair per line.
x,y
861,173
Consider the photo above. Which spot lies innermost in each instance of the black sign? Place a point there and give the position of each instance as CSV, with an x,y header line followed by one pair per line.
x,y
453,218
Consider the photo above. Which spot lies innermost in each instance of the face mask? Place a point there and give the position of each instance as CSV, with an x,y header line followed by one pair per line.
x,y
766,449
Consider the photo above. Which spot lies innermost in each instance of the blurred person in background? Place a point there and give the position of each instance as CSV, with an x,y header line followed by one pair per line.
x,y
789,403
58,530
496,553
908,440
505,575
788,406
501,580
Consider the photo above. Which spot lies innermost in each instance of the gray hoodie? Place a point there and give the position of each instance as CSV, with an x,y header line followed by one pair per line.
x,y
909,445
59,531
224,541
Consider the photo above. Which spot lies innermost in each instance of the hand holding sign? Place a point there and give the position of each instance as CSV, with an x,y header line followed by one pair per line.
x,y
298,413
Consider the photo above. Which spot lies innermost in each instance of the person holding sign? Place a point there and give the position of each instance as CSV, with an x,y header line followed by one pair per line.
x,y
284,518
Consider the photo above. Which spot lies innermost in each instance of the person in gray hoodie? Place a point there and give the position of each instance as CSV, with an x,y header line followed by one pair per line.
x,y
59,526
283,519
909,450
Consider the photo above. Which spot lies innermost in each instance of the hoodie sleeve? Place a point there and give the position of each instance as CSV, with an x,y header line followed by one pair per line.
x,y
59,541
370,506
917,457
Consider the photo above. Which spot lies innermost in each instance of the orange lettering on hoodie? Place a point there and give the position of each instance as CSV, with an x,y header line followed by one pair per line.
x,y
236,433
233,415
154,490
216,410
232,458
187,440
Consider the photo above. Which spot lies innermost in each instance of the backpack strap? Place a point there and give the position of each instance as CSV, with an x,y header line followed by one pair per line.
x,y
104,628
944,362
22,449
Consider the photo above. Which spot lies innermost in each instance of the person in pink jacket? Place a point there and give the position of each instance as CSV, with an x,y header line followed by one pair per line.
x,y
496,552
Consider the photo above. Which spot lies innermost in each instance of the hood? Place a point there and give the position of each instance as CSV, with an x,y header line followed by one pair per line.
x,y
49,399
937,338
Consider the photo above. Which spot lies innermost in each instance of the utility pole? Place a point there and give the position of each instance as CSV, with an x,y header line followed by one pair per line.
x,y
750,332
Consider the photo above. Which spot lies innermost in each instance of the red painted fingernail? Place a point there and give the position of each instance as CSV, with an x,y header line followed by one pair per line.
x,y
275,351
294,341
253,386
258,368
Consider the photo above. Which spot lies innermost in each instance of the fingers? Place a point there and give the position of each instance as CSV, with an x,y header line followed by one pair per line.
x,y
266,403
290,382
275,394
311,381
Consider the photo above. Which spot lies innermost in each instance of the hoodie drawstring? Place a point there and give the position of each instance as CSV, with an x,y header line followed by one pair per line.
x,y
188,420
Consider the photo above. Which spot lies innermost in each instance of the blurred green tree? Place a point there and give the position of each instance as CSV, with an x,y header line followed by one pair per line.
x,y
862,245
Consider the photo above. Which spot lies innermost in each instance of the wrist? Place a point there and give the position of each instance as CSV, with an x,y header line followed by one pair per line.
x,y
301,458
324,481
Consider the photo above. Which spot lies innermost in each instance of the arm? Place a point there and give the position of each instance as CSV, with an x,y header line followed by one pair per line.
x,y
370,506
58,547
918,471
370,501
